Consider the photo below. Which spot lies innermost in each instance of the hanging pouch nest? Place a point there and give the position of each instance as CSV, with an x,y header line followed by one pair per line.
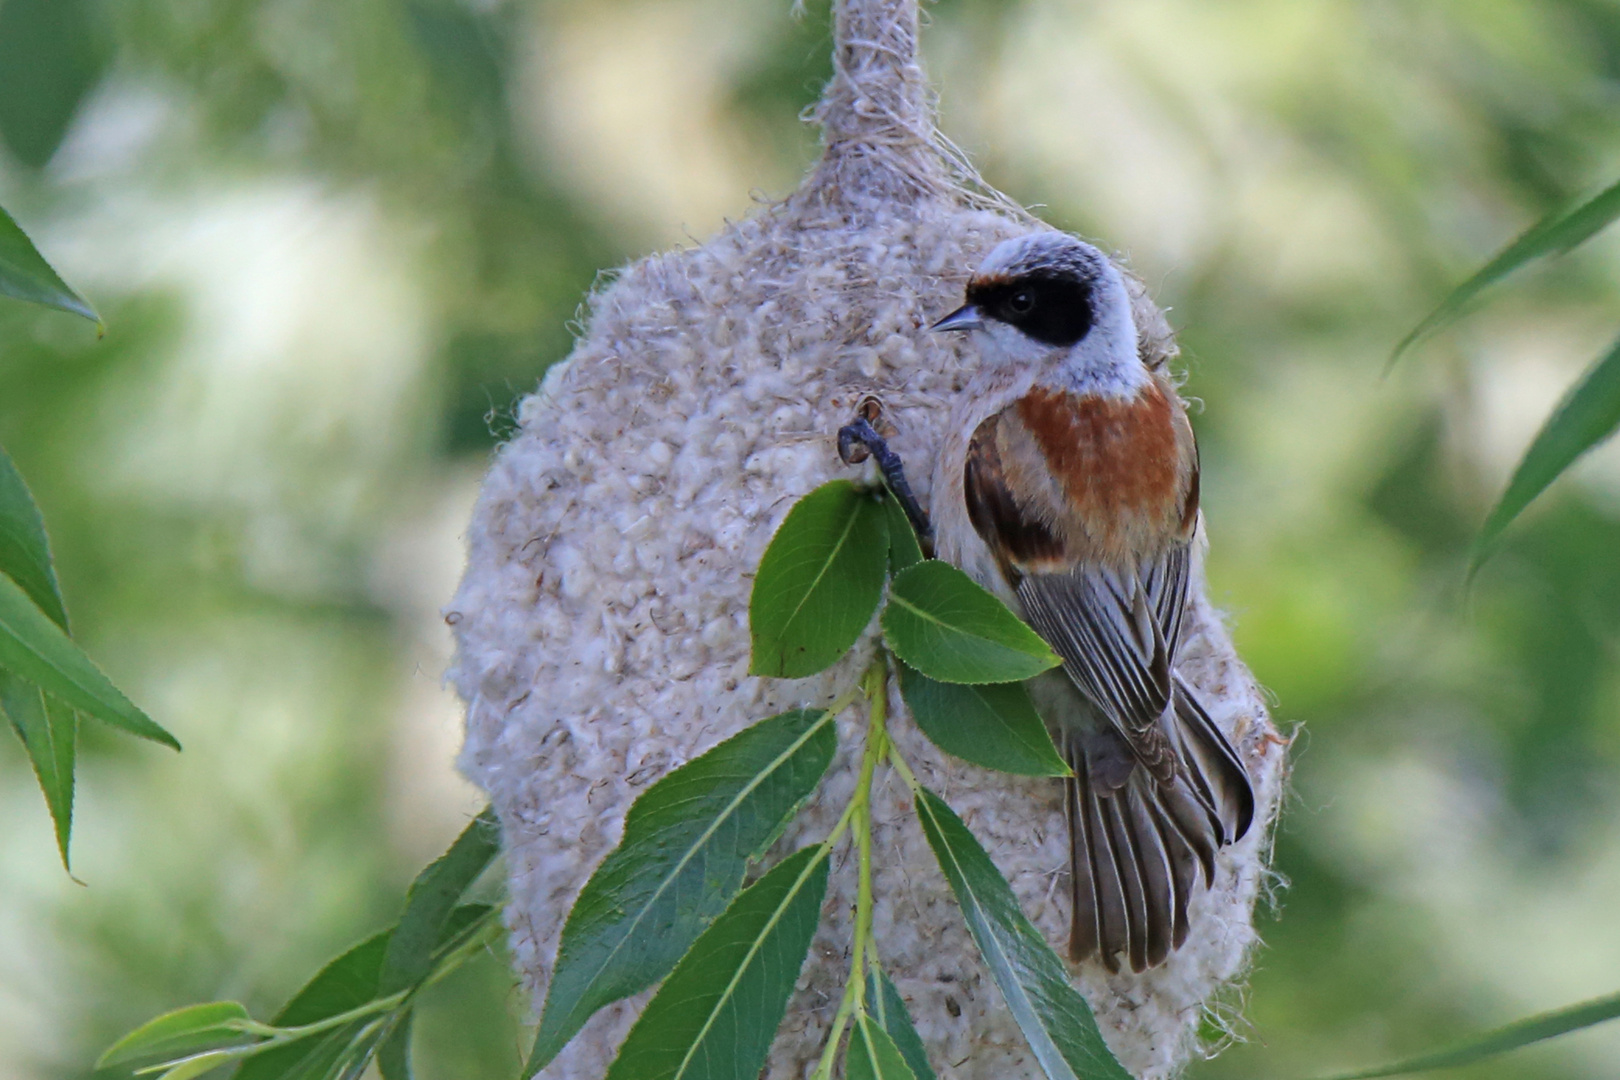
x,y
603,625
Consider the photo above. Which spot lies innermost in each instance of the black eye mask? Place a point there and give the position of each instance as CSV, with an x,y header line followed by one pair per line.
x,y
1051,308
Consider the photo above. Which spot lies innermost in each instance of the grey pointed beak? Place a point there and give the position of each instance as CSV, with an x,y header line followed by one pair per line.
x,y
966,317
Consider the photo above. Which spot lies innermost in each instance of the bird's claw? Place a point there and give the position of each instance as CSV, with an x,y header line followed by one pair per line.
x,y
858,440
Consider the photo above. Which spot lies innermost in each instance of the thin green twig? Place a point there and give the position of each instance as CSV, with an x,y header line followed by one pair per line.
x,y
859,814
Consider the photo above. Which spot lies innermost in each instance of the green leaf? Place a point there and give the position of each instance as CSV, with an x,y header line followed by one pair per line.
x,y
716,1014
49,730
177,1034
872,1055
315,1056
1056,1021
687,843
819,582
34,647
941,622
49,59
394,1058
1552,235
904,549
994,725
464,923
25,553
344,1051
888,1008
197,1064
432,901
344,984
1520,1033
1589,413
356,1055
26,275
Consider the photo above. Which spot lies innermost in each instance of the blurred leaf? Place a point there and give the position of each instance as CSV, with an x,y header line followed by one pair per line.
x,y
944,624
1056,1021
25,552
994,724
904,551
1589,414
26,275
183,1031
465,48
687,842
394,1059
1511,1037
344,984
872,1055
1550,236
198,1064
464,923
50,731
34,647
819,582
431,903
357,1056
48,61
314,1058
716,1014
889,1009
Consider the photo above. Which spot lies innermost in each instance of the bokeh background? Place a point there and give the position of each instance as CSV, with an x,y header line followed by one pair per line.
x,y
334,240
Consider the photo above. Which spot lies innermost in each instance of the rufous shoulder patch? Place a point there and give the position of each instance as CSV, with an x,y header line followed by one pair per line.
x,y
1126,466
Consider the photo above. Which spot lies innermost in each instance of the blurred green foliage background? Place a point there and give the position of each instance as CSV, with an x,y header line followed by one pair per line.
x,y
333,240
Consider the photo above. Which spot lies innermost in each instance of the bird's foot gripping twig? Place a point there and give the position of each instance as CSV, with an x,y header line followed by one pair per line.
x,y
859,439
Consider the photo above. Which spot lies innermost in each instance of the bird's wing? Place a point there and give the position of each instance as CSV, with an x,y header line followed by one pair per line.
x,y
1113,632
1115,621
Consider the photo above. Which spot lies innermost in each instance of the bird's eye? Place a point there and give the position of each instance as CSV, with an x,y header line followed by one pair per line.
x,y
1021,302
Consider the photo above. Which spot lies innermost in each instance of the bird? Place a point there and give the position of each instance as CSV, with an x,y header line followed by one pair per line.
x,y
1068,485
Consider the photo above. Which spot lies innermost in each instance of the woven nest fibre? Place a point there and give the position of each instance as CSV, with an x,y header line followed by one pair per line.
x,y
602,620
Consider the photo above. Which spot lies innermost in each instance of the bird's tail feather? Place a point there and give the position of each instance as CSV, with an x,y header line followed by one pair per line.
x,y
1217,776
1137,850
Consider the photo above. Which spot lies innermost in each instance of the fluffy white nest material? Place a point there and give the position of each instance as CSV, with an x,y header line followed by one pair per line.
x,y
602,622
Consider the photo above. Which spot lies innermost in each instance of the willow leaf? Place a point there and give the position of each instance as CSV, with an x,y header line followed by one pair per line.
x,y
1056,1021
178,1034
34,647
944,624
25,553
1589,414
1552,235
26,275
716,1014
432,902
888,1008
687,843
872,1054
994,724
904,549
819,581
49,731
1499,1041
